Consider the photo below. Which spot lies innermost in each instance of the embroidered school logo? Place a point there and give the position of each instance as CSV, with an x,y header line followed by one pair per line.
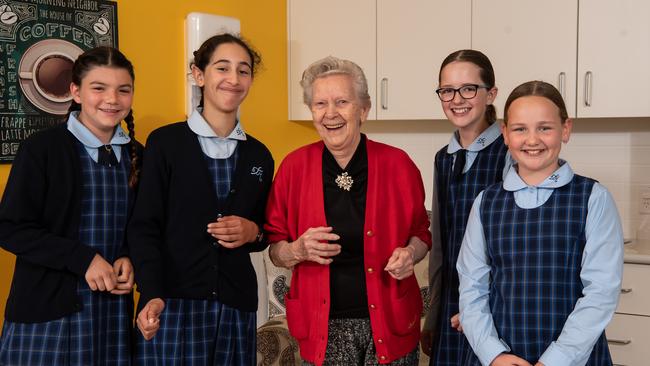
x,y
481,141
239,132
257,170
554,177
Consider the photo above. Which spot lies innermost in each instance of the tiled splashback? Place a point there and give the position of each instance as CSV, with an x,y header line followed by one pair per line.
x,y
616,152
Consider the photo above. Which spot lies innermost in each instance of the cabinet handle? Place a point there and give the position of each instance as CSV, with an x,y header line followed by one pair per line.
x,y
384,93
561,83
588,87
619,342
626,290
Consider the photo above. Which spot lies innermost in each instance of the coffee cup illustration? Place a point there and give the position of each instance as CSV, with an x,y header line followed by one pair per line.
x,y
51,75
45,72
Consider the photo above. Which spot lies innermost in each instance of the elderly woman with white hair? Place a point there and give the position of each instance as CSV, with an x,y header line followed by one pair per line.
x,y
347,214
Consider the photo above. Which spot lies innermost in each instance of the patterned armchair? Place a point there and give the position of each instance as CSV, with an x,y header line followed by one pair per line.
x,y
275,346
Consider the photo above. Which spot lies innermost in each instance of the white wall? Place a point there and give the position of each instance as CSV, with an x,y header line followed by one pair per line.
x,y
616,152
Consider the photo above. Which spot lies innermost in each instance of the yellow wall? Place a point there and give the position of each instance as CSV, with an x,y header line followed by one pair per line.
x,y
151,35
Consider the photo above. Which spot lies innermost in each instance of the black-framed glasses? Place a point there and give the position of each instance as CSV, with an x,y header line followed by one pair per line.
x,y
467,91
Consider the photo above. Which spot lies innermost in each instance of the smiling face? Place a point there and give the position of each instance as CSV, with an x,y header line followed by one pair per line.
x,y
105,96
534,135
466,113
337,114
226,79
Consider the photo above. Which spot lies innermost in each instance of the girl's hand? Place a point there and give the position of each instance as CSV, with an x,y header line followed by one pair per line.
x,y
148,320
100,275
233,231
506,359
123,269
400,264
455,323
310,246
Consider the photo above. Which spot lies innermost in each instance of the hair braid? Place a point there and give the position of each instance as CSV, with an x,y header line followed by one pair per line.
x,y
135,168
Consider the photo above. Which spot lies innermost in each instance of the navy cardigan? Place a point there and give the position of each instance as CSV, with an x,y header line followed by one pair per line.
x,y
39,223
172,252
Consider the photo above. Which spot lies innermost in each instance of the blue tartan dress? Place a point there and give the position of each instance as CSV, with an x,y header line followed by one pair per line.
x,y
100,333
455,199
536,257
195,332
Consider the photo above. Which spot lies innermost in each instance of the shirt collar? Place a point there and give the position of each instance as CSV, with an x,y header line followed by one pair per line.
x,y
481,142
200,126
88,139
560,177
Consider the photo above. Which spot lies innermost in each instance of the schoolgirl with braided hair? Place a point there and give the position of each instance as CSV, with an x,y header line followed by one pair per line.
x,y
63,215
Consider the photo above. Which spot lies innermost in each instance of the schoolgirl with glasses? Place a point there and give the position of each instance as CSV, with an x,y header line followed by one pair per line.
x,y
474,158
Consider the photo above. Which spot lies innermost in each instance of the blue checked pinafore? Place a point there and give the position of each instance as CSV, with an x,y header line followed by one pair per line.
x,y
202,332
536,257
100,333
455,199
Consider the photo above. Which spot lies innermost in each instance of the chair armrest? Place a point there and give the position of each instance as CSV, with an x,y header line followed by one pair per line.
x,y
275,345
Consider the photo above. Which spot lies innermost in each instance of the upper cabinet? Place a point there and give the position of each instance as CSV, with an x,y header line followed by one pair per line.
x,y
398,44
614,58
341,28
596,52
413,37
528,40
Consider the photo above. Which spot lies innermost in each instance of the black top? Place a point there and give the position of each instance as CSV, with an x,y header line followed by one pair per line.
x,y
345,212
172,252
39,223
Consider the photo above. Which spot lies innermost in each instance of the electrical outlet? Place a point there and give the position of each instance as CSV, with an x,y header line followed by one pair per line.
x,y
644,205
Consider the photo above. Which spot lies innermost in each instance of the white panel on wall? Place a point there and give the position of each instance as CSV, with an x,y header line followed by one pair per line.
x,y
198,28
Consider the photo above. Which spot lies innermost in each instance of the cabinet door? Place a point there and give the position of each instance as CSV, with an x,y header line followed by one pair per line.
x,y
316,29
614,58
528,40
628,339
413,37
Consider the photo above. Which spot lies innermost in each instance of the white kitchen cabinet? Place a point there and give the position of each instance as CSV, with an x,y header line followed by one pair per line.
x,y
341,28
628,330
399,45
596,52
528,40
413,37
614,58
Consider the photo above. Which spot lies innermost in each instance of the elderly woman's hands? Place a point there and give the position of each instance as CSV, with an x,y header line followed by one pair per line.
x,y
309,246
401,263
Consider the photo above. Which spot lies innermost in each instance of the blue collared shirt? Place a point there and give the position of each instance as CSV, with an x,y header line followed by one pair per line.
x,y
91,142
601,274
212,145
484,140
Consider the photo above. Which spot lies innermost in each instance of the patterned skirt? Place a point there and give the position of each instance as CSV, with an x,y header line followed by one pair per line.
x,y
99,334
199,333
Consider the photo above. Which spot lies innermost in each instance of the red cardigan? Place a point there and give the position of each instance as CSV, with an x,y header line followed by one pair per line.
x,y
395,212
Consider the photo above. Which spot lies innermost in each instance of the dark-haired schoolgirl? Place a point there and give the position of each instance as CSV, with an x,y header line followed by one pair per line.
x,y
198,215
63,215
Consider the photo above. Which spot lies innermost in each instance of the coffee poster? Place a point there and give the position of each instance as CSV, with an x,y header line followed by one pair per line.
x,y
39,41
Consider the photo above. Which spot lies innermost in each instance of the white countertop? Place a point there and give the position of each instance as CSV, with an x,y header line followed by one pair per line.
x,y
637,252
